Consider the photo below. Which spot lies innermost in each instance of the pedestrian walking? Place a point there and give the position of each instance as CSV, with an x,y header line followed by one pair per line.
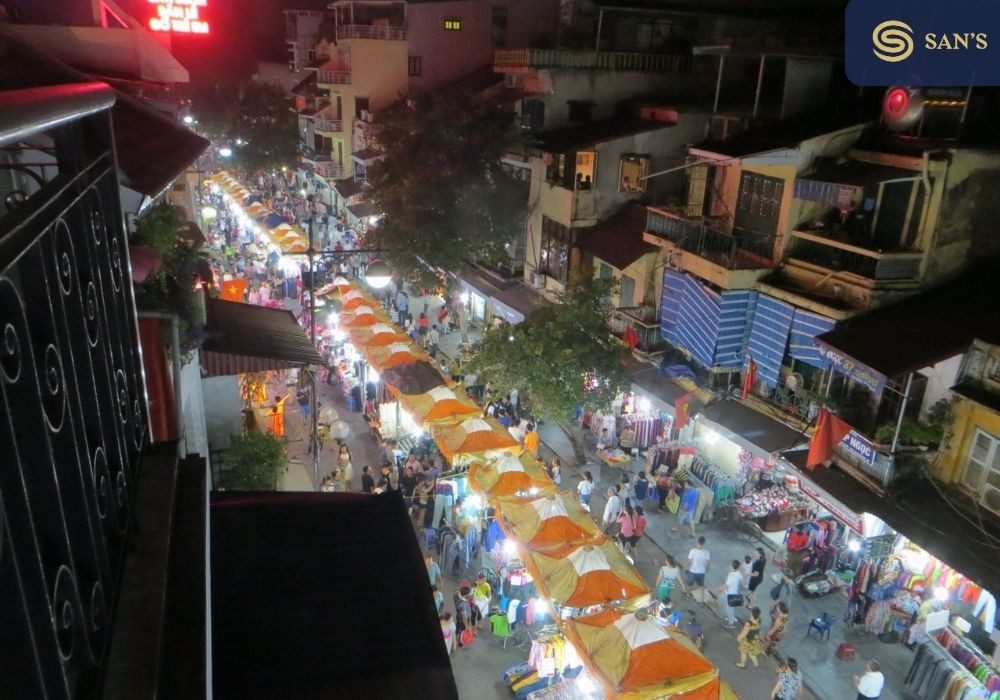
x,y
367,481
555,471
633,526
749,640
698,563
779,623
532,440
612,509
789,685
449,632
756,574
433,339
433,571
731,592
585,489
668,579
345,466
688,507
870,685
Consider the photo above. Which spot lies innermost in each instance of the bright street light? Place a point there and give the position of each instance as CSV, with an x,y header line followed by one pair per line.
x,y
378,274
188,119
225,151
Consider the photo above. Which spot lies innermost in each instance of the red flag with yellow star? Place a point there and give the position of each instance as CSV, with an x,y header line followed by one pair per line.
x,y
233,290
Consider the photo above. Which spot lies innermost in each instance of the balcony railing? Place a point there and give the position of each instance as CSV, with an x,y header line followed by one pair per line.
x,y
594,60
741,250
329,125
334,77
367,31
71,378
644,321
816,248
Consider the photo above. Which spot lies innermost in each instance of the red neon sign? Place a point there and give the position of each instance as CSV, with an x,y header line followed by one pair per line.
x,y
179,16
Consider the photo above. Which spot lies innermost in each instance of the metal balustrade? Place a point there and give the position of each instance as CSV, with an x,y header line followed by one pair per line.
x,y
334,77
329,125
594,60
741,250
367,31
75,418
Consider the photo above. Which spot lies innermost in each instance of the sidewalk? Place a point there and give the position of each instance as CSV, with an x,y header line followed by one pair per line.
x,y
825,677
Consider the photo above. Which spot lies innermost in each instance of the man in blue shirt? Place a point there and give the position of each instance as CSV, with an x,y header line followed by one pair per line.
x,y
688,507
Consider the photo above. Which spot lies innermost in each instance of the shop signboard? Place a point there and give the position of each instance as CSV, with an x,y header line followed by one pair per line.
x,y
849,367
860,447
835,508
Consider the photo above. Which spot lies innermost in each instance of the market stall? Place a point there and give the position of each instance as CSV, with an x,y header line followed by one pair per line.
x,y
588,575
633,657
555,524
508,475
474,438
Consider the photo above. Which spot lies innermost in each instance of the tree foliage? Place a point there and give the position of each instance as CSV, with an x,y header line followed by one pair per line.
x,y
254,119
256,461
561,357
442,188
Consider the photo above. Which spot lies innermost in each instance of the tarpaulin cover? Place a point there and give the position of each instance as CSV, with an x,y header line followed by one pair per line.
x,y
382,357
509,475
378,334
363,316
588,575
413,378
440,404
555,524
474,437
634,657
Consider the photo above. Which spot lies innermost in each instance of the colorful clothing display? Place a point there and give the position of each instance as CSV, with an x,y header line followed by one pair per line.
x,y
935,674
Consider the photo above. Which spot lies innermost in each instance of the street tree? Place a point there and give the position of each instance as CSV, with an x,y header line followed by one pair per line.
x,y
253,119
442,190
561,357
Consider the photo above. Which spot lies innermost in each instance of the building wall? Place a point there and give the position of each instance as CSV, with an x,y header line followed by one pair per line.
x,y
195,427
447,56
643,271
941,377
277,73
969,416
223,410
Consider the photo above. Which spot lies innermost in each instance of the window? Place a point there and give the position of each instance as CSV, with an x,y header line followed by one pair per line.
x,y
361,105
630,173
532,115
360,172
759,203
453,25
982,469
498,27
626,292
604,271
416,64
579,110
554,256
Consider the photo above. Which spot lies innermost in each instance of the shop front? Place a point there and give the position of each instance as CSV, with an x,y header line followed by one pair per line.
x,y
477,289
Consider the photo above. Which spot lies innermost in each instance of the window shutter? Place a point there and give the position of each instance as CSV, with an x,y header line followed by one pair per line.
x,y
697,186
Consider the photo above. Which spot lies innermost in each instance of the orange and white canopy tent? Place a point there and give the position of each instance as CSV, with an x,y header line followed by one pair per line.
x,y
554,524
354,298
635,658
440,404
383,357
508,475
361,316
590,574
377,334
474,438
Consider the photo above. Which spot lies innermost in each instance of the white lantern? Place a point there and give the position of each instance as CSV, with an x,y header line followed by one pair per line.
x,y
339,430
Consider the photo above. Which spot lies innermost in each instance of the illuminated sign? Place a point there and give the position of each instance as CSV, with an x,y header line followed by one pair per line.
x,y
179,16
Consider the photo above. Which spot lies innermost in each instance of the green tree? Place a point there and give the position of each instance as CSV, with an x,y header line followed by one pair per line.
x,y
256,461
561,357
254,119
442,189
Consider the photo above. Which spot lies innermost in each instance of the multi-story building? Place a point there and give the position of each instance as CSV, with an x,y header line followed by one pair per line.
x,y
791,230
363,55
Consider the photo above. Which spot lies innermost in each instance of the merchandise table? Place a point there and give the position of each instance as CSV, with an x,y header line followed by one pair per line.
x,y
614,458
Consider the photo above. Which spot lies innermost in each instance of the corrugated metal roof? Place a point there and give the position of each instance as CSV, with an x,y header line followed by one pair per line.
x,y
618,241
254,338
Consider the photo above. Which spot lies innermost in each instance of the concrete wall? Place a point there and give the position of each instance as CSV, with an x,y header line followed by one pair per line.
x,y
223,410
647,281
276,73
940,379
195,427
969,417
450,55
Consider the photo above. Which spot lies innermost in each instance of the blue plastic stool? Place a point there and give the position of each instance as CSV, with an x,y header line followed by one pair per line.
x,y
822,625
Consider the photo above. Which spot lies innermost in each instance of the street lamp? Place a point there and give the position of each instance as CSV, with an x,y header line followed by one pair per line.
x,y
378,274
225,151
188,119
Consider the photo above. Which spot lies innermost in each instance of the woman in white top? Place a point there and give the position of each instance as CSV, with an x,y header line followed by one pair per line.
x,y
668,579
585,489
556,470
732,587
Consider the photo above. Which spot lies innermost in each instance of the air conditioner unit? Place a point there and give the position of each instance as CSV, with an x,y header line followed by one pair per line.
x,y
538,280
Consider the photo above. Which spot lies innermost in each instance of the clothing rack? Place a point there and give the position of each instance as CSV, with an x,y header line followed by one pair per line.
x,y
724,486
934,674
647,427
967,653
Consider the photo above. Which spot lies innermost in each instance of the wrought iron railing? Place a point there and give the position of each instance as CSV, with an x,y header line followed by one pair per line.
x,y
334,77
740,250
872,265
74,419
599,60
329,125
643,320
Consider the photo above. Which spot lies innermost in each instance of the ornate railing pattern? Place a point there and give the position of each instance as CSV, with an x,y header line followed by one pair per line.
x,y
596,60
366,31
741,250
74,419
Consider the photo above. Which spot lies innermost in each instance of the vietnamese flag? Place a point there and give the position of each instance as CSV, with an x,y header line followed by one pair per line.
x,y
682,411
829,431
233,290
749,378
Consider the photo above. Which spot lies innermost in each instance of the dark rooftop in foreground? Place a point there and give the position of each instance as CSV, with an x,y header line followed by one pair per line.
x,y
322,595
570,138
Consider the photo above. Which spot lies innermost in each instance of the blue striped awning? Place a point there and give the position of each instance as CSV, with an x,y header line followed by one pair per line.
x,y
699,321
802,340
670,305
772,321
735,311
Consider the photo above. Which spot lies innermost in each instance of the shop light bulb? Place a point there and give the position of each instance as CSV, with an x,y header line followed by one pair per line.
x,y
372,375
225,151
854,546
474,501
585,685
533,491
509,548
941,593
465,297
541,608
711,437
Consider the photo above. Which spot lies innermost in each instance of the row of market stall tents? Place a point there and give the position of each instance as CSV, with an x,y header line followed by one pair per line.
x,y
287,237
572,564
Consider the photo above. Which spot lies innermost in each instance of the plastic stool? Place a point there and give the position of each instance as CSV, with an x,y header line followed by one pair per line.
x,y
845,651
822,625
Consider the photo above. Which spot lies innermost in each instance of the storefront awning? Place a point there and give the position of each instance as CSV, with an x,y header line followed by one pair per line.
x,y
250,338
479,283
647,380
762,432
516,303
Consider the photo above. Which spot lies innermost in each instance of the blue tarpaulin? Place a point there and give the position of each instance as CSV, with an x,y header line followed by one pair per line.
x,y
772,320
802,341
275,220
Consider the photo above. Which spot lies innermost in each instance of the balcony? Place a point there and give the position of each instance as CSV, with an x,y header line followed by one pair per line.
x,y
646,324
741,250
330,126
821,246
524,60
367,31
333,77
71,366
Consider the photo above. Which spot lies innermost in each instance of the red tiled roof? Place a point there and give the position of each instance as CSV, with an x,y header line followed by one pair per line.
x,y
618,241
